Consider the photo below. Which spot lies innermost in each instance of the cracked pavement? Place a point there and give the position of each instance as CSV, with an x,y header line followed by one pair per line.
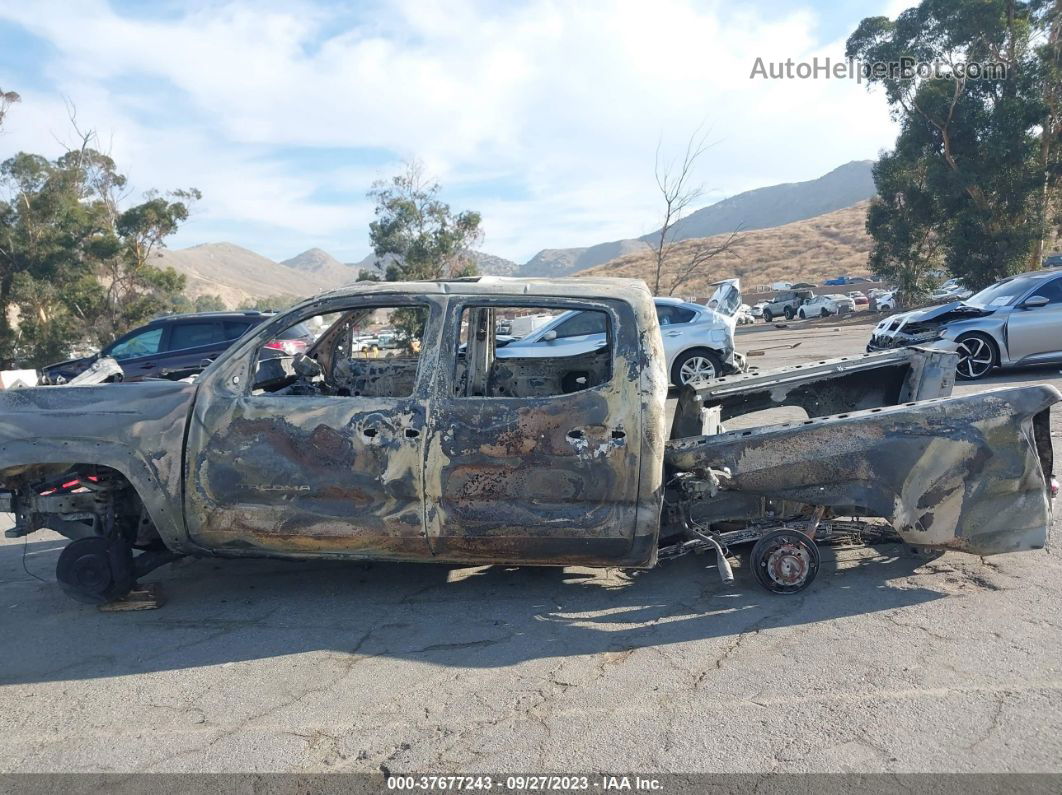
x,y
890,662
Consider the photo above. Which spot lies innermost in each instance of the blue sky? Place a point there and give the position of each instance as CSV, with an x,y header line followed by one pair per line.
x,y
544,116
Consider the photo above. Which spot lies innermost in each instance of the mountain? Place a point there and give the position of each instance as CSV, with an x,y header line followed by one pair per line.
x,y
322,265
566,261
235,273
779,204
810,250
761,208
495,266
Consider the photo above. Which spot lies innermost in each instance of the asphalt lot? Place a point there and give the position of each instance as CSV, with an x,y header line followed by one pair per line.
x,y
889,662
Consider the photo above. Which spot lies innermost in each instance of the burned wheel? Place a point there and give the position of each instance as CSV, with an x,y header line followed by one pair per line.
x,y
95,570
785,561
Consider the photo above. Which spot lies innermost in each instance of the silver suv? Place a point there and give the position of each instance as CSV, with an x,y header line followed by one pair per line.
x,y
1015,322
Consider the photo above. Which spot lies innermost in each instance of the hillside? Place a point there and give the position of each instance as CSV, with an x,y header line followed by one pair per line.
x,y
761,208
236,273
566,261
777,205
809,250
322,265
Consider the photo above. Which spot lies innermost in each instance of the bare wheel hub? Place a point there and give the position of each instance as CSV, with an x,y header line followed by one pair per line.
x,y
788,565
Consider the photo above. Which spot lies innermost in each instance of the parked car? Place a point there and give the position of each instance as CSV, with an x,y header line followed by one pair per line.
x,y
859,298
527,324
757,309
744,316
1017,321
561,461
176,346
886,301
826,305
782,286
698,341
1053,261
837,281
951,290
785,304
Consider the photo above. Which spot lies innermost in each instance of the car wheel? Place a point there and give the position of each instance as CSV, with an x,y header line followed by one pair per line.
x,y
977,356
767,316
788,313
801,315
696,367
824,313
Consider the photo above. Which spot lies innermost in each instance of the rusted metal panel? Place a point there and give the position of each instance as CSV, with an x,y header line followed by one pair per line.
x,y
961,472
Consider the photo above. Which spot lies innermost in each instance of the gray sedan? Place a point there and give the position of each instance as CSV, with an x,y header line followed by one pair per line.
x,y
1015,322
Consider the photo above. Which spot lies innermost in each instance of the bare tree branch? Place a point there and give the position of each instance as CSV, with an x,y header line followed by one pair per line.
x,y
674,180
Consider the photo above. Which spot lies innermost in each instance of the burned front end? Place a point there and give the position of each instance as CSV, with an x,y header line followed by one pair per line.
x,y
882,438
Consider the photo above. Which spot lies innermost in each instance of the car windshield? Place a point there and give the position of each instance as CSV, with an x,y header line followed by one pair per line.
x,y
1003,293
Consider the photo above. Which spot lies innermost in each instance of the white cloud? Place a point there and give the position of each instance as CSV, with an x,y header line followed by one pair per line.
x,y
565,101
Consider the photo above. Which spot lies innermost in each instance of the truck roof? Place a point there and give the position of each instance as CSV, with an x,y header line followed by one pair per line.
x,y
576,287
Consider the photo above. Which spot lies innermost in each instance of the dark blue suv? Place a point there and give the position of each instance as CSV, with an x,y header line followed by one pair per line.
x,y
176,346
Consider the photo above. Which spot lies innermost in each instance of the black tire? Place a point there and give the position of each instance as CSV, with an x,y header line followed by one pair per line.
x,y
767,316
95,570
785,561
801,315
788,313
978,355
824,313
688,357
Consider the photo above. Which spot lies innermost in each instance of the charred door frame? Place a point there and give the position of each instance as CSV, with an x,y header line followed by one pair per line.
x,y
392,458
495,462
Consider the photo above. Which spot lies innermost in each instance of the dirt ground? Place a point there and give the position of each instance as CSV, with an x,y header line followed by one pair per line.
x,y
889,662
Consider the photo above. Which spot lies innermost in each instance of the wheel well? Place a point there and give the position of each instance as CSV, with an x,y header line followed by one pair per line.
x,y
116,498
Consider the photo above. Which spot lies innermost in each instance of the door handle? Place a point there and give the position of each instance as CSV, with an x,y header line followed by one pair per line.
x,y
674,333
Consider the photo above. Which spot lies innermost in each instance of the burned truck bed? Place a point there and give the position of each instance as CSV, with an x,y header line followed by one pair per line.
x,y
882,439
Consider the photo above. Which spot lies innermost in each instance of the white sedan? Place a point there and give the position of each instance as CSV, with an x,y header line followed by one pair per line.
x,y
698,341
826,305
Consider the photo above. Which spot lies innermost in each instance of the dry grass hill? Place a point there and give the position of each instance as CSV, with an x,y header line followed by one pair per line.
x,y
812,250
236,273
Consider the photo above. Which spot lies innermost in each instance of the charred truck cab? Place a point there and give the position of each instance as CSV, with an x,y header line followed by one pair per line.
x,y
437,449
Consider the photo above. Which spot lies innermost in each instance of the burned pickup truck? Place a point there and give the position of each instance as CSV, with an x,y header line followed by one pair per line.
x,y
440,450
